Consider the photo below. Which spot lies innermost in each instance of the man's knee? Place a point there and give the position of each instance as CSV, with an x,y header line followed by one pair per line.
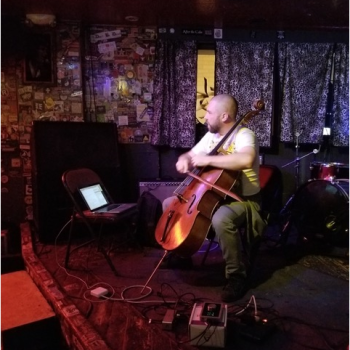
x,y
167,202
222,217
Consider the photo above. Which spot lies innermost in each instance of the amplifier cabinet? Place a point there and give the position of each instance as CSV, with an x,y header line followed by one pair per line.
x,y
161,189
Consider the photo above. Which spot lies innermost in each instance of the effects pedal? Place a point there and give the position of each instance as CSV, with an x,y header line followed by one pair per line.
x,y
207,325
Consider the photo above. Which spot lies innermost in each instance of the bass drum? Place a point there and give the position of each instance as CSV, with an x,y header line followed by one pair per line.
x,y
320,209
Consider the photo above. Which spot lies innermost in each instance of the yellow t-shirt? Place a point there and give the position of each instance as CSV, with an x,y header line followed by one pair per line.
x,y
240,138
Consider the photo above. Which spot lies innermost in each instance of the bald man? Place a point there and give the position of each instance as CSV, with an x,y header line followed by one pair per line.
x,y
240,154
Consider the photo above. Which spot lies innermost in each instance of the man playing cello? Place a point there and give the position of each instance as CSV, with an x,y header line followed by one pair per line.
x,y
239,153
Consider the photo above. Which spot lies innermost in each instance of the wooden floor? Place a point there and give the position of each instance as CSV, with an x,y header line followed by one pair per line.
x,y
302,293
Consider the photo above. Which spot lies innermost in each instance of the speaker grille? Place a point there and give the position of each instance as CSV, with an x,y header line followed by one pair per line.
x,y
161,189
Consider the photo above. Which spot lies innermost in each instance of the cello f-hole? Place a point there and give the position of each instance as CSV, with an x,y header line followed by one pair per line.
x,y
170,215
189,210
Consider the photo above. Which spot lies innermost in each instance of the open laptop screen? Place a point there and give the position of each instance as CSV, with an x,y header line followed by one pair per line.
x,y
94,196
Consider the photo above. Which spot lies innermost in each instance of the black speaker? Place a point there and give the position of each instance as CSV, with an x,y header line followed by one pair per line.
x,y
59,146
138,161
161,189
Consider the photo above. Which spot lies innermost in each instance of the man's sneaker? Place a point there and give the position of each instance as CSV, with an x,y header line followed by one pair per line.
x,y
235,289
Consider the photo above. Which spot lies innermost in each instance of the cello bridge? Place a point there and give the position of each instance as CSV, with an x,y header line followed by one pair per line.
x,y
181,198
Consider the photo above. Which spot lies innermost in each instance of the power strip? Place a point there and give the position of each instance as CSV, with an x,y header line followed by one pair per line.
x,y
99,292
168,320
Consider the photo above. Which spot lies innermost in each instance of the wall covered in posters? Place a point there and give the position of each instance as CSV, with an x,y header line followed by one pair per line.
x,y
118,68
66,73
40,80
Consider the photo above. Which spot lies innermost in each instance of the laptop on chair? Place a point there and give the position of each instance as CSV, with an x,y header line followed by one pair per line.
x,y
98,203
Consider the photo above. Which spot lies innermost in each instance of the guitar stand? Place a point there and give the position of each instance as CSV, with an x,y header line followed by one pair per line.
x,y
154,271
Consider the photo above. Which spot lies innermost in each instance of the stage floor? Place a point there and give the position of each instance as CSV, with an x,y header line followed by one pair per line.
x,y
302,293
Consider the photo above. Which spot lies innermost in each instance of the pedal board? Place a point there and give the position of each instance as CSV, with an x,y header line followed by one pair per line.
x,y
257,331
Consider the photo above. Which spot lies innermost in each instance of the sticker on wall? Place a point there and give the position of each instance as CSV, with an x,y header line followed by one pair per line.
x,y
94,38
28,190
25,93
15,162
123,120
4,179
107,47
28,200
29,212
49,103
76,107
141,111
25,114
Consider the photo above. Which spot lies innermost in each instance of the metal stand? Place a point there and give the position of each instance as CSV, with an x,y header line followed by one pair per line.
x,y
298,159
285,214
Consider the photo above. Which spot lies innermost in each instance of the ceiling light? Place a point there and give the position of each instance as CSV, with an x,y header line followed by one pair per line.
x,y
132,18
41,19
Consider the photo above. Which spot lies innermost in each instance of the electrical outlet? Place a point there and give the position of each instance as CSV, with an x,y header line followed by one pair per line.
x,y
99,292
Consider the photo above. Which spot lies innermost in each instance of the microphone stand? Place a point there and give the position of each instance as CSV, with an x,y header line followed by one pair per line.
x,y
285,214
296,160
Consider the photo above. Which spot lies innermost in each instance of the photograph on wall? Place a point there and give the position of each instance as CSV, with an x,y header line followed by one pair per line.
x,y
38,63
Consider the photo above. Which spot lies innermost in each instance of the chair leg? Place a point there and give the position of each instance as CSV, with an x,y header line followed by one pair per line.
x,y
99,237
69,242
100,248
211,241
95,238
254,249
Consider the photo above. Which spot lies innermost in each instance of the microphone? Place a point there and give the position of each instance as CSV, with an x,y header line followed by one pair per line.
x,y
315,151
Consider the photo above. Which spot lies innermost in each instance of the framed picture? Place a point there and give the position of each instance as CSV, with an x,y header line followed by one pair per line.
x,y
39,64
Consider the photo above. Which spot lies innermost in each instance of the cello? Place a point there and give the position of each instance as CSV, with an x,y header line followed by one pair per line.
x,y
186,222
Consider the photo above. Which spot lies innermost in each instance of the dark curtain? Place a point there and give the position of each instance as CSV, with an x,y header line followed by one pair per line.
x,y
340,126
305,71
174,94
245,70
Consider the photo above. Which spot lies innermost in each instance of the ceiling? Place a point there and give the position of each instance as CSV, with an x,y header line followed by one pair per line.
x,y
328,15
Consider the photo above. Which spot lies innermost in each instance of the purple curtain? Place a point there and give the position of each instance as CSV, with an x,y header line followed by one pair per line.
x,y
340,127
304,73
245,70
174,94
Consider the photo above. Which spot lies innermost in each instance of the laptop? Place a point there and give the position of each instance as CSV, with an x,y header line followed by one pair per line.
x,y
97,201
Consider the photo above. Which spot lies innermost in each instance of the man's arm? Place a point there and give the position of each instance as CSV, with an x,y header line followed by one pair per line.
x,y
183,164
241,160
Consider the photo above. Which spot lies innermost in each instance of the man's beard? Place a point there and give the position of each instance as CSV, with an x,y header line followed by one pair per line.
x,y
213,128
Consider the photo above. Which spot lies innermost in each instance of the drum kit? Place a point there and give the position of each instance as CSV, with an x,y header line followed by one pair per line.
x,y
319,208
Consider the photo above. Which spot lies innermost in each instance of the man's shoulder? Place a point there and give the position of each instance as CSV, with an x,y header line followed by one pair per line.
x,y
244,131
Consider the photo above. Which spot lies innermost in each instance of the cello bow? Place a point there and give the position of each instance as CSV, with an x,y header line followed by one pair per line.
x,y
219,188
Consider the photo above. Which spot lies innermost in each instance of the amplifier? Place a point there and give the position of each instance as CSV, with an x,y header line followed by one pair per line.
x,y
161,189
